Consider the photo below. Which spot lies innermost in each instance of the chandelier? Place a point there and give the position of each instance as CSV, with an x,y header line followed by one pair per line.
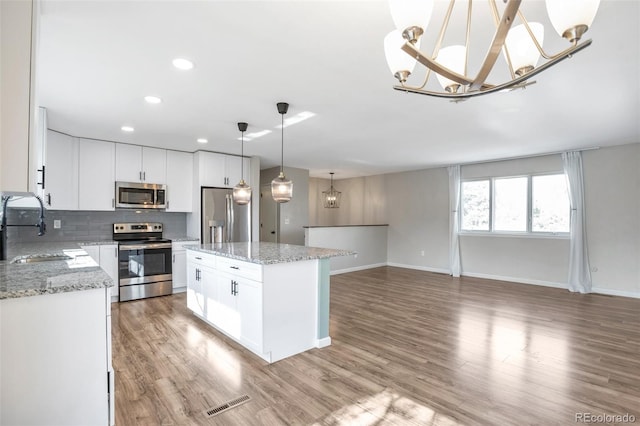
x,y
521,45
331,197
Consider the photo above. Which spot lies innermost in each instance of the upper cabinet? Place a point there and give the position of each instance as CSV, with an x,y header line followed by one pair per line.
x,y
179,181
221,170
61,173
140,164
96,175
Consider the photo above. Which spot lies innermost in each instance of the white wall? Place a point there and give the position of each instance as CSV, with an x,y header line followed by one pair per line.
x,y
612,197
416,207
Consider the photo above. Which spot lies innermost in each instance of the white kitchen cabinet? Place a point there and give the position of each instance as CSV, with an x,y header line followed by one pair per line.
x,y
221,170
201,282
179,264
106,255
144,164
96,175
56,359
179,181
61,172
109,263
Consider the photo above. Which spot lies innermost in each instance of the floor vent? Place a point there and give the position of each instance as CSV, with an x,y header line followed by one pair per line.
x,y
227,406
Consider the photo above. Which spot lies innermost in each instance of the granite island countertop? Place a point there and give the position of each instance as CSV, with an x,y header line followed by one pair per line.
x,y
79,272
268,253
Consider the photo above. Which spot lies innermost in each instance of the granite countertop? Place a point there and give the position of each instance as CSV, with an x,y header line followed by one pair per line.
x,y
79,272
268,253
180,239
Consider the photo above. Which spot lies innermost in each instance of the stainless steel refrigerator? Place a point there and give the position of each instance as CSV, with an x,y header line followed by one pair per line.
x,y
223,220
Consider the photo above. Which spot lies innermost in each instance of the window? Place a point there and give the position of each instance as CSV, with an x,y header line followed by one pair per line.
x,y
522,204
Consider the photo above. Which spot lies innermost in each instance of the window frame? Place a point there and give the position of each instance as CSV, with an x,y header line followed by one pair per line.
x,y
529,232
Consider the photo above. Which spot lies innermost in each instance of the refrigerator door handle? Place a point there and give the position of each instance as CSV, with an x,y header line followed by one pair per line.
x,y
232,221
227,218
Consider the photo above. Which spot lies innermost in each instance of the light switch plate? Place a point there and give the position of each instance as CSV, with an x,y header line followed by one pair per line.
x,y
57,224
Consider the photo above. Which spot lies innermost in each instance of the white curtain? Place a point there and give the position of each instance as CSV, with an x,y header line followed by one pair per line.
x,y
454,220
579,269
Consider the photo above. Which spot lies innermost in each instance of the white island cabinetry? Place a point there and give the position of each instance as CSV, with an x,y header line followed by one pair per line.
x,y
274,303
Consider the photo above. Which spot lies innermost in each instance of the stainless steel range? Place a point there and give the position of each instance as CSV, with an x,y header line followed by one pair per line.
x,y
144,261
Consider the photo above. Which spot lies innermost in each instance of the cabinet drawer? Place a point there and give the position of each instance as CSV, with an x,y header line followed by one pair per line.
x,y
201,258
252,271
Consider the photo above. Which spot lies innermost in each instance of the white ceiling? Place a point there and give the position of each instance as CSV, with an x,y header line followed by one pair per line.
x,y
98,59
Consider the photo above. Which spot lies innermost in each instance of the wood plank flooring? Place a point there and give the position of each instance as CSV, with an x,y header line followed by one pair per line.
x,y
409,348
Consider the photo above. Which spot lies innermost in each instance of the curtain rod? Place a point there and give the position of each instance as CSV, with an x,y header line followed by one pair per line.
x,y
523,157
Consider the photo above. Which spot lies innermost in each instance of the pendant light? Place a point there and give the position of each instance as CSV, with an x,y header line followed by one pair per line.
x,y
331,197
281,187
242,191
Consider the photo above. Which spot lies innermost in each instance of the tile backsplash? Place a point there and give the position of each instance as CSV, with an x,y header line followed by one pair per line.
x,y
86,225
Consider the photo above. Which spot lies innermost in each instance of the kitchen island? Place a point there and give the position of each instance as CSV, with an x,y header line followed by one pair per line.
x,y
271,298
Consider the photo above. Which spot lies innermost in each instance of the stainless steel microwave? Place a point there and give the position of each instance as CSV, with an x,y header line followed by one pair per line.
x,y
132,195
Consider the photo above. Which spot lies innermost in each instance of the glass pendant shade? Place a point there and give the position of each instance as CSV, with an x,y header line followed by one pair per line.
x,y
242,191
411,13
331,198
400,63
452,57
281,189
565,15
523,52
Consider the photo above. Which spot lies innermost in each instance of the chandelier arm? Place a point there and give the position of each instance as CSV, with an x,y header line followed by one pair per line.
x,y
534,39
496,19
510,84
468,39
507,19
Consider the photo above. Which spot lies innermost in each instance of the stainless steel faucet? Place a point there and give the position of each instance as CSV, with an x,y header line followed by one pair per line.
x,y
6,197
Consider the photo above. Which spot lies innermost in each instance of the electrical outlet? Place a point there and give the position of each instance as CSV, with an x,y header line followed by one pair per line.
x,y
286,221
421,252
57,224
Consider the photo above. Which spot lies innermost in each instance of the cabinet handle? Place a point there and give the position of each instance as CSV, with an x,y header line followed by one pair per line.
x,y
232,288
116,251
235,288
167,204
113,203
49,198
234,267
144,175
173,258
43,177
199,258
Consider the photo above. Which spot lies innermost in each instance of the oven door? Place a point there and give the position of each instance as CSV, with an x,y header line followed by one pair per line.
x,y
142,263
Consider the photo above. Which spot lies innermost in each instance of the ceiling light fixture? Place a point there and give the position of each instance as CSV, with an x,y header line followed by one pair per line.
x,y
127,129
281,187
152,99
202,140
182,64
520,45
242,191
331,197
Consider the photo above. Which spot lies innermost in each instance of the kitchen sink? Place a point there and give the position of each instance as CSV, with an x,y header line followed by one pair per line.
x,y
41,258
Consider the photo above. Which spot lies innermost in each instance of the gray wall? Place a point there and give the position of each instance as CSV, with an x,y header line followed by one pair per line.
x,y
295,213
416,207
87,225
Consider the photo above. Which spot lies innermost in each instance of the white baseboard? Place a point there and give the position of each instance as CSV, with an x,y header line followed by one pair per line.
x,y
324,342
420,268
515,280
358,268
179,290
611,292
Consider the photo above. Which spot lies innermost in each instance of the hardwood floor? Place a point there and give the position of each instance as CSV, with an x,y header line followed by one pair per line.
x,y
409,348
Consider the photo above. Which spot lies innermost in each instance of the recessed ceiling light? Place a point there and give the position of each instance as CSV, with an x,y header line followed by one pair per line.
x,y
152,99
182,64
202,140
127,129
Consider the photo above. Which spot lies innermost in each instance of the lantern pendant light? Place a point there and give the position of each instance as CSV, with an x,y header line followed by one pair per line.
x,y
331,197
242,191
281,187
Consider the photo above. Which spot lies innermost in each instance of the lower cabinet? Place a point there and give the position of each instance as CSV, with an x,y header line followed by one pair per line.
x,y
179,264
106,255
56,359
269,309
